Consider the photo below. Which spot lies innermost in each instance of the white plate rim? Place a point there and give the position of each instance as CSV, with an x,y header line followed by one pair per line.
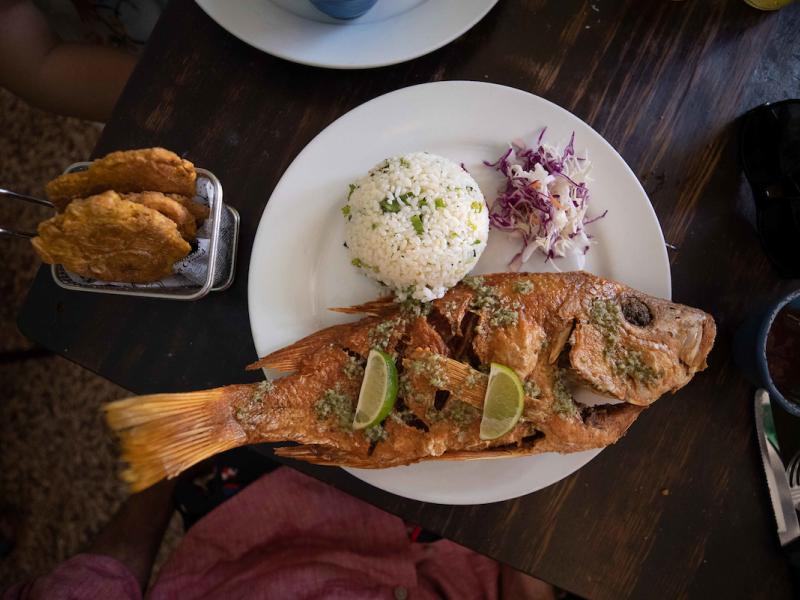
x,y
365,474
481,9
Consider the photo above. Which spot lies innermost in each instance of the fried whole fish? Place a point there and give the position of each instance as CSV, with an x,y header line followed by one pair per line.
x,y
148,169
557,331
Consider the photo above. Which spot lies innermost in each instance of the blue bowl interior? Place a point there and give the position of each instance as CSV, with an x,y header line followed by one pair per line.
x,y
344,9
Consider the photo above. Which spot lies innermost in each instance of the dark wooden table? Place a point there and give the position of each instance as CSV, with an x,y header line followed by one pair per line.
x,y
679,506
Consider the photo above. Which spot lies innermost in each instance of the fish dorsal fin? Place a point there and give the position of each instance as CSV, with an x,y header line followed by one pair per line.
x,y
380,307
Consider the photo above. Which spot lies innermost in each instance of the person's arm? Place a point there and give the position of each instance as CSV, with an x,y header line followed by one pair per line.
x,y
134,533
118,563
81,80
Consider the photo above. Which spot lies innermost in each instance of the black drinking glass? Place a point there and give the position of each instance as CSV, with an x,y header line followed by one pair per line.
x,y
769,147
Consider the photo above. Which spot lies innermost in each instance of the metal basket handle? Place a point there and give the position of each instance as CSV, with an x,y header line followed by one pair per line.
x,y
5,232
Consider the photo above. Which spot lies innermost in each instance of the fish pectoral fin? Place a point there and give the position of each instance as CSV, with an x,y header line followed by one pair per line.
x,y
460,379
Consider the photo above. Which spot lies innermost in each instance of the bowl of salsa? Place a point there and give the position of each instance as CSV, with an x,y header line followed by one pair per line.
x,y
768,350
783,352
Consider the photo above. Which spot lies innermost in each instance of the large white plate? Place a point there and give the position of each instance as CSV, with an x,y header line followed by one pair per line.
x,y
299,267
393,31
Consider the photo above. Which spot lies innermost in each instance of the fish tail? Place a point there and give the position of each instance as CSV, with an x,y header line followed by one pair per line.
x,y
164,434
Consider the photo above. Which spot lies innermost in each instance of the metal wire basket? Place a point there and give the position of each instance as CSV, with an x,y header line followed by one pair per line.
x,y
209,267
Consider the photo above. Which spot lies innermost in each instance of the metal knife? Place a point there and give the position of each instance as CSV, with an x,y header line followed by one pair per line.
x,y
778,484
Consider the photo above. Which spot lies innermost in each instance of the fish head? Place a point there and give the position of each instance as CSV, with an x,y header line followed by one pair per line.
x,y
635,347
688,332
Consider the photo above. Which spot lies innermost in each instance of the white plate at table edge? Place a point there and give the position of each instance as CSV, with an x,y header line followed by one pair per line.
x,y
290,242
296,31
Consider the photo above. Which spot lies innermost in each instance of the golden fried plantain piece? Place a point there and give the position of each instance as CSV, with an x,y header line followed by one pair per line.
x,y
170,208
198,209
108,238
149,169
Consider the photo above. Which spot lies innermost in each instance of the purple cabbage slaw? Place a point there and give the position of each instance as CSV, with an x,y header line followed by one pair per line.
x,y
542,202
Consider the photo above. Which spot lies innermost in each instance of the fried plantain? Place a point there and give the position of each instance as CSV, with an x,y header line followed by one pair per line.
x,y
149,169
106,237
198,210
170,208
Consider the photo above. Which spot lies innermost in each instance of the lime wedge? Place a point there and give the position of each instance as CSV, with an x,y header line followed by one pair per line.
x,y
502,405
378,390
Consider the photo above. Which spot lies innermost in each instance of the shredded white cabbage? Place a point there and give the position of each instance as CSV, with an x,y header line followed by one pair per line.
x,y
545,201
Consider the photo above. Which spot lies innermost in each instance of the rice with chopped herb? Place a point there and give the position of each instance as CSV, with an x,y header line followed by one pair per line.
x,y
417,223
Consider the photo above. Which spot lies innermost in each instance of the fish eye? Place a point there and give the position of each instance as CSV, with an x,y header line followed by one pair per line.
x,y
636,312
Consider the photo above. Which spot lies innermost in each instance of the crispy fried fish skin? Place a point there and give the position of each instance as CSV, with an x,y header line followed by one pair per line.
x,y
170,208
149,169
108,238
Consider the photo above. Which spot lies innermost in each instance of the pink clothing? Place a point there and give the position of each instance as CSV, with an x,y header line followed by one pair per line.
x,y
82,576
288,536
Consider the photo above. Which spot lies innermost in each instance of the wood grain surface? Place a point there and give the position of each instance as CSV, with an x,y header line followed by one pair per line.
x,y
678,508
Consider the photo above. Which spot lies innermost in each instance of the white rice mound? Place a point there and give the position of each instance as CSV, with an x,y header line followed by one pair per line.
x,y
416,223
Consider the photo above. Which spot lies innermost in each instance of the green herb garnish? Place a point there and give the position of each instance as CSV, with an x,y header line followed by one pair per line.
x,y
531,389
380,336
438,202
625,361
461,413
416,222
388,206
563,404
523,286
376,434
404,198
334,404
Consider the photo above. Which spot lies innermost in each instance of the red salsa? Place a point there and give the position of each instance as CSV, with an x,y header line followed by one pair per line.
x,y
783,353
